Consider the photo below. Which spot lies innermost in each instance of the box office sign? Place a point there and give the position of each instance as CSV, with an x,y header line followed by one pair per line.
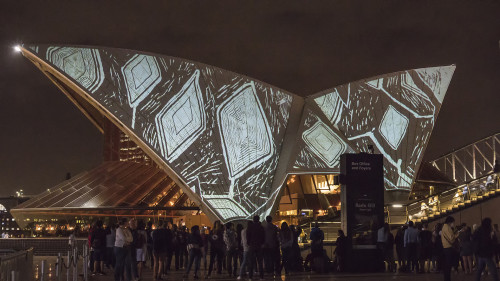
x,y
362,195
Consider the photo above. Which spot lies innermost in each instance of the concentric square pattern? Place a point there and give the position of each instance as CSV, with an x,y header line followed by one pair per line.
x,y
141,74
246,137
83,65
393,126
182,120
324,143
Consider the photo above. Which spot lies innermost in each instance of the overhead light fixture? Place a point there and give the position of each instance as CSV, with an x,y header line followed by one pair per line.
x,y
397,206
17,48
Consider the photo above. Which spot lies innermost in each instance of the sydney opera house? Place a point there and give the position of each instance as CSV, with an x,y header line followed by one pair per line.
x,y
185,139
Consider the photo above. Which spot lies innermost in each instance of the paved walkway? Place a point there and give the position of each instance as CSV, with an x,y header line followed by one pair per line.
x,y
178,275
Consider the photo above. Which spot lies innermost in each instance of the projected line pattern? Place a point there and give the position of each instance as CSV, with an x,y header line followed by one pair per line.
x,y
395,113
324,143
245,134
222,133
83,65
141,74
319,146
182,120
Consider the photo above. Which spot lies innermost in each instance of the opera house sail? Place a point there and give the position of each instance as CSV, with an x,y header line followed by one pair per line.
x,y
230,141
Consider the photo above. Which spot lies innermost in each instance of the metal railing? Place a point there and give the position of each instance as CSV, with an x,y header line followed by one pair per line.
x,y
470,162
66,268
17,266
443,203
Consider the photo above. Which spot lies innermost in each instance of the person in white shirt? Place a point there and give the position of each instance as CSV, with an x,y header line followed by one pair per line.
x,y
122,249
246,258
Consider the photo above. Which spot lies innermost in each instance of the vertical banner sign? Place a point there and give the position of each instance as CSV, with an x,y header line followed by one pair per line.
x,y
362,196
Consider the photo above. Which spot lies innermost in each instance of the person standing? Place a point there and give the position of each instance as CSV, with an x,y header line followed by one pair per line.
x,y
271,248
123,243
244,245
239,229
411,245
484,241
286,239
437,248
110,243
216,241
466,249
141,248
382,236
149,231
341,250
389,252
449,238
255,239
317,236
425,238
231,242
168,248
98,242
400,247
194,246
131,260
159,249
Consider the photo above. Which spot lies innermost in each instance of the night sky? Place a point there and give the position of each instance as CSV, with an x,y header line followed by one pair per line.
x,y
300,46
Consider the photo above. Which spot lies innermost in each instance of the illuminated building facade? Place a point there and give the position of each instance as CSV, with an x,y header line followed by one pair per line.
x,y
231,142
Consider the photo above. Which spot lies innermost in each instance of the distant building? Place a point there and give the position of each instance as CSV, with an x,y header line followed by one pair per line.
x,y
9,224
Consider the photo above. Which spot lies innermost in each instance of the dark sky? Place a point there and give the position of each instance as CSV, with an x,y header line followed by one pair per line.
x,y
300,46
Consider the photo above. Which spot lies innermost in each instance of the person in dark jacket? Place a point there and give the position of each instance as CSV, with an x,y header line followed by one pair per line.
x,y
286,240
484,242
341,248
271,248
466,249
400,247
255,240
159,249
98,242
425,251
149,231
168,247
216,241
194,246
437,248
317,236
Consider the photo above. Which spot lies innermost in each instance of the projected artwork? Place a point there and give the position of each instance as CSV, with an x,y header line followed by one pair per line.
x,y
83,65
141,75
395,113
182,120
245,133
221,135
319,145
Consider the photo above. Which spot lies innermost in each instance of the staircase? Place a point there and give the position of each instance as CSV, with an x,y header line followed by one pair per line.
x,y
450,201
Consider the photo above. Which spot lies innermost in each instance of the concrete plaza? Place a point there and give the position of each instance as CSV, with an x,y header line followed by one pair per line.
x,y
178,275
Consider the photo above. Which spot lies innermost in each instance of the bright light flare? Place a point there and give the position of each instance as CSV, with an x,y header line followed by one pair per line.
x,y
17,48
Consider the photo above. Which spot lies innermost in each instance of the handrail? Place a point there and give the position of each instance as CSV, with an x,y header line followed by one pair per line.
x,y
17,265
448,200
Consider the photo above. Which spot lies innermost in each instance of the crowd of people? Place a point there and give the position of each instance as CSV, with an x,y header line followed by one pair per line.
x,y
445,248
262,248
238,250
